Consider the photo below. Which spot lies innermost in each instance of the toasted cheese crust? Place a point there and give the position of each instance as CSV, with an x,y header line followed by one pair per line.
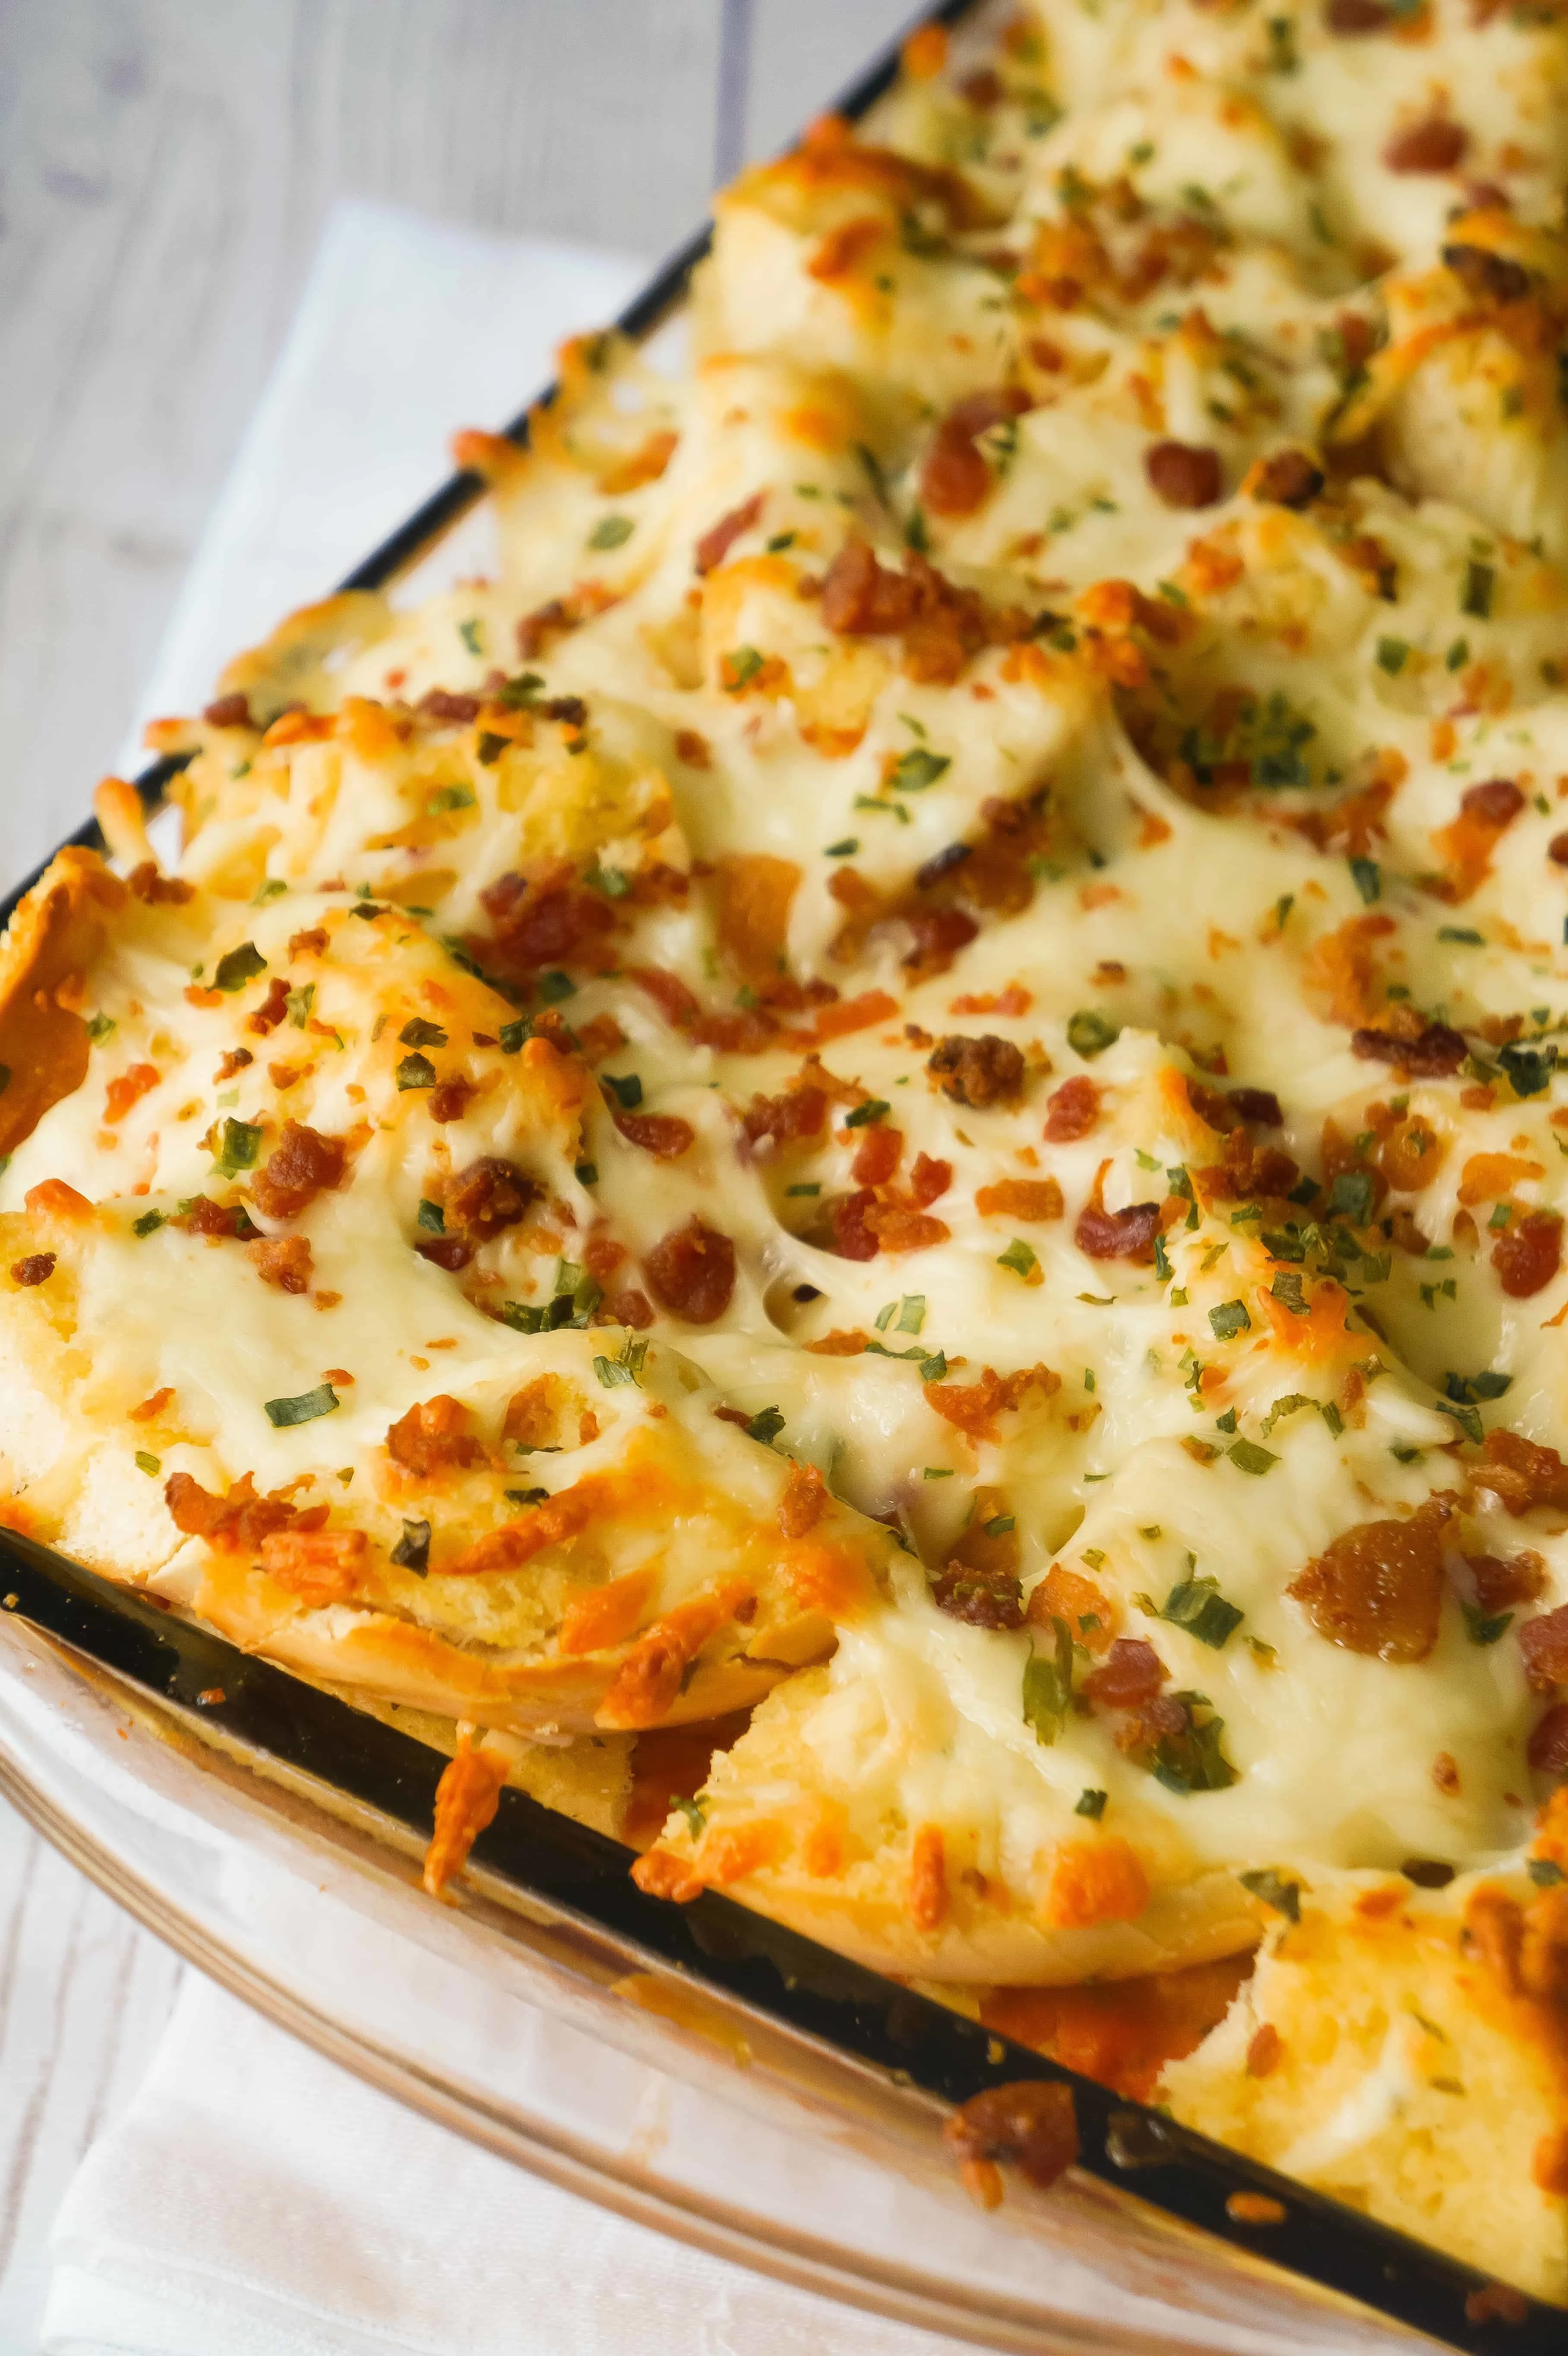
x,y
906,1080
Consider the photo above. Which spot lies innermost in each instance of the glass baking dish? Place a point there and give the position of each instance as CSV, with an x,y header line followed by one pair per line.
x,y
697,2069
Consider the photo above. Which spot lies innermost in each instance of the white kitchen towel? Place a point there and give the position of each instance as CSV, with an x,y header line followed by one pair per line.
x,y
255,2199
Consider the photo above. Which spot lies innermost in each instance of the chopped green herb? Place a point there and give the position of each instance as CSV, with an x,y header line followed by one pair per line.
x,y
430,1217
627,1091
1368,879
917,768
1089,1033
99,1027
148,1464
586,1173
611,531
415,1072
239,967
1484,1627
241,1142
1197,1605
1248,1457
1283,1896
765,1426
872,1109
612,1371
1466,934
412,1549
1019,1256
271,887
937,1473
149,1223
1459,654
1476,594
281,1412
1543,1872
911,1313
1090,1802
421,1033
999,1525
450,797
1467,1418
1392,656
740,669
1230,1319
512,1036
1048,1686
1467,1388
299,1003
1350,1196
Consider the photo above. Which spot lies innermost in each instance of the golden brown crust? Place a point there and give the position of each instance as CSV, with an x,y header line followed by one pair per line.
x,y
57,931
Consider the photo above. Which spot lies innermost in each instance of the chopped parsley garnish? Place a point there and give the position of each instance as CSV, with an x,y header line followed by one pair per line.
x,y
627,1091
1543,1872
1197,1605
765,1426
1465,935
611,531
1459,654
512,1036
1266,737
1368,878
524,1496
1468,1418
999,1525
1475,592
612,1371
99,1027
1350,1196
613,882
553,986
845,850
586,1173
472,634
1484,1627
1529,1069
450,797
239,967
1089,1033
1467,1388
1090,1802
412,1549
740,668
148,1464
1048,1686
1248,1457
299,1003
806,1186
696,1821
270,888
1194,1760
241,1144
430,1217
1392,656
1230,1319
917,768
416,1072
149,1223
936,1471
1274,1890
1019,1256
872,1109
281,1412
421,1033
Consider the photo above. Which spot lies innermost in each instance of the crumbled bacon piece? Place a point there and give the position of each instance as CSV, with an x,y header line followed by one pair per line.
x,y
716,542
939,934
547,921
852,1238
1495,1583
1260,1105
435,1437
231,710
310,943
272,1010
1547,1750
450,1252
804,1502
234,1060
1529,1253
1288,479
955,479
128,1089
1433,1053
440,704
282,1260
692,1273
1032,2124
302,1165
240,1521
1184,473
1437,144
1071,1111
976,1072
900,1226
467,1799
630,1308
1521,1475
1543,1645
1126,1233
488,1195
1378,1589
223,1222
878,1154
981,1598
35,1269
799,1112
663,1134
1131,1674
319,1565
929,1180
972,1407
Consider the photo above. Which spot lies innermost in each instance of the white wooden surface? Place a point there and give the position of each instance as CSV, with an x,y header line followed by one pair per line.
x,y
165,169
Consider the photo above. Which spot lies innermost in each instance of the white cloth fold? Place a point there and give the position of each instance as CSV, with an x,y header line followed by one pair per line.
x,y
255,2199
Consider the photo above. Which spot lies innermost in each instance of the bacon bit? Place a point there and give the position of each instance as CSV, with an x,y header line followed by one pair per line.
x,y
272,1010
129,1089
804,1502
282,1260
1184,473
1029,1199
1127,1234
490,1194
732,1854
151,1409
630,1308
972,1407
565,1516
1529,1253
1131,1673
449,1100
716,542
1543,1648
1378,1589
1031,2124
52,1198
1488,1177
956,478
1497,1584
600,1617
310,943
302,1164
929,1180
1093,1881
692,1273
1547,1750
976,1072
840,1344
850,1014
547,921
693,749
1290,479
1521,1475
235,1060
853,1238
467,1799
434,1438
928,1899
1071,1111
157,890
319,1565
596,1039
1062,1594
36,1268
1437,144
980,1594
663,1134
942,626
240,1521
646,1685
